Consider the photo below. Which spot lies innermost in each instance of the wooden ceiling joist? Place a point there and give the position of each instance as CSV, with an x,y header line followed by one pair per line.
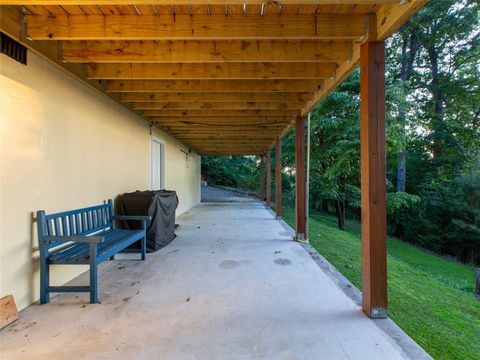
x,y
198,27
193,2
215,129
236,71
223,119
213,85
226,136
206,52
222,113
216,97
232,141
236,134
215,105
225,142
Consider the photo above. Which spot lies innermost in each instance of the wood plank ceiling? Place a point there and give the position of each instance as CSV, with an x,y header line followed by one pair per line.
x,y
226,78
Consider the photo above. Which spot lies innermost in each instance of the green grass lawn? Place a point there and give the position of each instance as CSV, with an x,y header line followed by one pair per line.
x,y
430,297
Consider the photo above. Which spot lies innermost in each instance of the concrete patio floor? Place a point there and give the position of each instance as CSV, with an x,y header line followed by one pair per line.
x,y
232,285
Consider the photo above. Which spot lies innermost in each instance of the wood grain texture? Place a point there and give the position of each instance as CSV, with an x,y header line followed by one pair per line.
x,y
213,85
390,17
221,113
300,190
216,97
206,51
207,71
373,174
214,105
191,2
222,120
8,311
198,27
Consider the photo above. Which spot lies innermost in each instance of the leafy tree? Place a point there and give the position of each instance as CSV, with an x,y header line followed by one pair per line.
x,y
233,171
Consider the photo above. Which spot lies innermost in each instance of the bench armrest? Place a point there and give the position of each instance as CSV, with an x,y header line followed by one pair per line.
x,y
80,239
132,217
143,219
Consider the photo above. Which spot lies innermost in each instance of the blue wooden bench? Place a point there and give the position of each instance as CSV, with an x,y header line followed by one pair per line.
x,y
83,236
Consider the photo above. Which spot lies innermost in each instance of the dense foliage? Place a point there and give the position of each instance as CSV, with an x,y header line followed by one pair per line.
x,y
433,136
233,171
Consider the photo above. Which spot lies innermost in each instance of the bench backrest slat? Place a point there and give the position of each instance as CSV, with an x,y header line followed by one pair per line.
x,y
65,229
71,226
80,222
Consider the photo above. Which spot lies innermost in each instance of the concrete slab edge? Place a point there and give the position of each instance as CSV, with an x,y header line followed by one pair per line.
x,y
405,342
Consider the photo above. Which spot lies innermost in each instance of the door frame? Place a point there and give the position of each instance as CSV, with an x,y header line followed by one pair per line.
x,y
162,162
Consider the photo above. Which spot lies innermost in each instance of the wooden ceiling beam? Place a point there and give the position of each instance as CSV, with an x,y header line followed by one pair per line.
x,y
390,17
206,52
216,97
200,71
217,132
225,146
226,137
229,127
213,85
222,128
230,141
222,120
197,27
221,113
254,133
192,2
214,105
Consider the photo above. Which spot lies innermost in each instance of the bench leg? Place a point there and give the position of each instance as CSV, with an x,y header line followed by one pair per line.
x,y
44,282
144,248
93,274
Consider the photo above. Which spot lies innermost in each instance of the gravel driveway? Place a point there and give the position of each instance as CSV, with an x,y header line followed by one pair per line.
x,y
214,194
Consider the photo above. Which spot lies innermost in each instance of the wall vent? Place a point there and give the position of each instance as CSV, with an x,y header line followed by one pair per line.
x,y
13,49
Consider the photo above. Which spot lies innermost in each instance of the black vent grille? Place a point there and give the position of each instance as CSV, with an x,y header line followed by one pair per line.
x,y
13,49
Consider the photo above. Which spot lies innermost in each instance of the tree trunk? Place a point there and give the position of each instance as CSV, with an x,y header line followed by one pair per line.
x,y
401,170
340,209
438,128
477,290
409,52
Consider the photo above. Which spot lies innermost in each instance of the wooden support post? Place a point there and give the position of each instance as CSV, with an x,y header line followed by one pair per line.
x,y
373,163
262,177
300,193
278,178
268,191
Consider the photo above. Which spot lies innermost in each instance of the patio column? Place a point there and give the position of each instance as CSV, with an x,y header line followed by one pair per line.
x,y
373,162
300,194
278,178
262,177
268,191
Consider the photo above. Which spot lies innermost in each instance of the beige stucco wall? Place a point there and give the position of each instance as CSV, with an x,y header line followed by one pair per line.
x,y
65,146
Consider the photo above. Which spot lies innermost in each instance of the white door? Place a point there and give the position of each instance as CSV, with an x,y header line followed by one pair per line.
x,y
158,172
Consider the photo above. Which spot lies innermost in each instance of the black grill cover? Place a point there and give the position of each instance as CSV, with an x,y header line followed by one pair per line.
x,y
160,205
